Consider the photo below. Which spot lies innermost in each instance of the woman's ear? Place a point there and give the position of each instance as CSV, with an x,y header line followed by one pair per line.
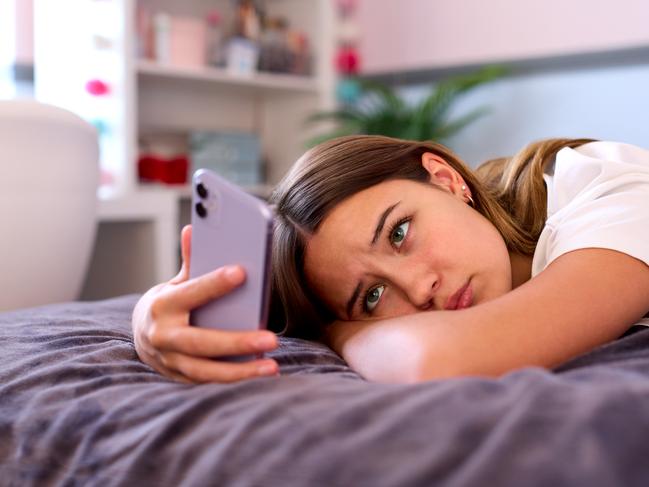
x,y
442,174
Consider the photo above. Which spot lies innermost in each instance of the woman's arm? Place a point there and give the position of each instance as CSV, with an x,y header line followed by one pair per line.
x,y
585,298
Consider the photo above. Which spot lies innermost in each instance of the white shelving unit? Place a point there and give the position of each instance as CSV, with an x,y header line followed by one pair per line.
x,y
99,42
262,82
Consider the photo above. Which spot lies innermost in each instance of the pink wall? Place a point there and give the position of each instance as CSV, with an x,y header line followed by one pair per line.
x,y
420,34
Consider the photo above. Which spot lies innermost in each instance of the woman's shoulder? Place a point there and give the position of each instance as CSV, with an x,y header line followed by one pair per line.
x,y
596,167
607,153
615,152
596,199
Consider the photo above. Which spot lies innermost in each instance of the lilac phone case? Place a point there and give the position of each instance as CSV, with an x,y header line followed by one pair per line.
x,y
235,229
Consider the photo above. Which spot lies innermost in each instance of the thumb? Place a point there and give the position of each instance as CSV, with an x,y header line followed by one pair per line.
x,y
185,250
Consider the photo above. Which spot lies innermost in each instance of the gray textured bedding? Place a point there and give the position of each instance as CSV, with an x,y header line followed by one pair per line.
x,y
78,408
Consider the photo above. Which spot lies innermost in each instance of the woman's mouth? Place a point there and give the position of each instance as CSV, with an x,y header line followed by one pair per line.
x,y
462,298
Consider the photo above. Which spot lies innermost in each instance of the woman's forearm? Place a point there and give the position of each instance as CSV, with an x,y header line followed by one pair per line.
x,y
407,349
584,299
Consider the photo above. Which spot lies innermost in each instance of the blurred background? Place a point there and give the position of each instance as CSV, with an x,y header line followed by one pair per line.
x,y
244,86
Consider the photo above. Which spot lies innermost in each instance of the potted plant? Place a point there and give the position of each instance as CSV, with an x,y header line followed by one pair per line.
x,y
380,110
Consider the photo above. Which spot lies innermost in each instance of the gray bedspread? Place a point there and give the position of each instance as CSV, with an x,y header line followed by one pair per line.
x,y
77,408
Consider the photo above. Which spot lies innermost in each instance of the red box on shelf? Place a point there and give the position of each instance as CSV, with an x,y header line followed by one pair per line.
x,y
170,171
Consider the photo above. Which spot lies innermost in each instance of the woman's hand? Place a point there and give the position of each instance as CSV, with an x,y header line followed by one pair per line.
x,y
165,340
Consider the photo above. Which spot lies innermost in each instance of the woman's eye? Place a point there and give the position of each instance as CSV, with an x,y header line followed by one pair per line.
x,y
399,233
373,296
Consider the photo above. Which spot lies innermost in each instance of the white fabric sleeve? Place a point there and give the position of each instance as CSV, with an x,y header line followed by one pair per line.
x,y
617,220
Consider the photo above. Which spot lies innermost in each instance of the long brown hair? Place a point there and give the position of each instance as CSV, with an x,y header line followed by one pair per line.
x,y
510,192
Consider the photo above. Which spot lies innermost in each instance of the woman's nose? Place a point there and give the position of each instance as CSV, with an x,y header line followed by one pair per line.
x,y
419,287
423,293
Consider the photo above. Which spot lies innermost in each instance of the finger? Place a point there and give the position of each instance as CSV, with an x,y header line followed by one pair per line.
x,y
186,247
206,370
185,251
195,292
206,342
155,360
172,374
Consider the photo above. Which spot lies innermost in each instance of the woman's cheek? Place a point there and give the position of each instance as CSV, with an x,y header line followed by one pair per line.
x,y
395,305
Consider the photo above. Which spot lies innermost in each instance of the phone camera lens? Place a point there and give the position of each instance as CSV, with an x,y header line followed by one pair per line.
x,y
201,190
200,209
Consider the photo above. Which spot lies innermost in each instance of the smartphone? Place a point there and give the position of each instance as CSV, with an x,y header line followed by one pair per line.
x,y
231,226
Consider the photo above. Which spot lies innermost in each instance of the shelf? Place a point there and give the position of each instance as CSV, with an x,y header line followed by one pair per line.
x,y
265,81
141,205
259,190
184,191
152,199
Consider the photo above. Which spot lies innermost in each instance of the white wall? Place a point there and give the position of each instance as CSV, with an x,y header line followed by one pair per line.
x,y
605,103
16,47
25,31
7,48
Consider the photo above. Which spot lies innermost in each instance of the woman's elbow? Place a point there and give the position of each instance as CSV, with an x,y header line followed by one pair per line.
x,y
393,358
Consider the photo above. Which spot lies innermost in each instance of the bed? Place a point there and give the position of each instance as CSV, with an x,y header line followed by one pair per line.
x,y
77,407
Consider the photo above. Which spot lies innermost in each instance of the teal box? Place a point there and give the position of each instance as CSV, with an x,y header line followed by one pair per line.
x,y
235,156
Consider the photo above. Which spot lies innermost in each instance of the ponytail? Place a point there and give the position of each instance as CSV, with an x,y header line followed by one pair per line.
x,y
517,185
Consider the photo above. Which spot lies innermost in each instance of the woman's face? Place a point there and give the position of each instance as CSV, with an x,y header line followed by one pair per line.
x,y
402,246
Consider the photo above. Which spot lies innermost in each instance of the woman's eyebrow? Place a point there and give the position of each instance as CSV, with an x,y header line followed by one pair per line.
x,y
377,233
352,300
381,222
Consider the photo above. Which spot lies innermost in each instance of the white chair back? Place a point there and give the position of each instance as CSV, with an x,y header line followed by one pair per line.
x,y
49,172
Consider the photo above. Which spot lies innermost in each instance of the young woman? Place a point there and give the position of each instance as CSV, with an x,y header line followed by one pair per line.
x,y
413,267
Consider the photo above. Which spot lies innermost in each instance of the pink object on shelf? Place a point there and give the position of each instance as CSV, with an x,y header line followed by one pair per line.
x,y
347,6
347,60
97,87
187,43
214,17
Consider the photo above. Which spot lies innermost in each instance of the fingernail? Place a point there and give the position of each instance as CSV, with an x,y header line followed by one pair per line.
x,y
267,369
233,273
265,341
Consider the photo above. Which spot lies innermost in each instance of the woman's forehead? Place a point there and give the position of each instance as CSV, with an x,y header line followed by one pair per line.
x,y
332,265
367,199
337,251
351,223
357,214
339,236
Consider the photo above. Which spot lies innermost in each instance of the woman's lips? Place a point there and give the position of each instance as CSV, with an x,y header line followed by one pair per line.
x,y
463,298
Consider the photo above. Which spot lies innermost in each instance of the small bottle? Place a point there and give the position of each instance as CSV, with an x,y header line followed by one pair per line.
x,y
215,55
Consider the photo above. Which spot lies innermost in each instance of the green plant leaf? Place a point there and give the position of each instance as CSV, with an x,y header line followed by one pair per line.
x,y
385,94
430,113
468,81
458,124
382,111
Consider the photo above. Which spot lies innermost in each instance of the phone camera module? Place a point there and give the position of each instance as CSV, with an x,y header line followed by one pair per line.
x,y
201,210
201,190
